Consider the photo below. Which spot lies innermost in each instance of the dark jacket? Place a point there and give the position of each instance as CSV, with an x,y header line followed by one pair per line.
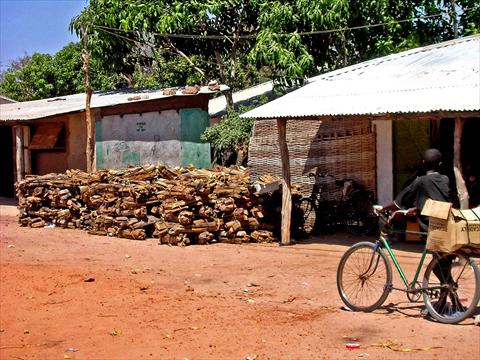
x,y
433,186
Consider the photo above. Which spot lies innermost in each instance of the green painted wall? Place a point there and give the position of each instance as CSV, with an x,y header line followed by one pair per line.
x,y
411,139
193,150
98,145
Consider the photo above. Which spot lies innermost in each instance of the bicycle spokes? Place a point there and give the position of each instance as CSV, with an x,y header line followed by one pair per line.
x,y
451,288
364,277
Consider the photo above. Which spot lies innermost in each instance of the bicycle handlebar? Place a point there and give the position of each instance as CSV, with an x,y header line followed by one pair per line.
x,y
377,209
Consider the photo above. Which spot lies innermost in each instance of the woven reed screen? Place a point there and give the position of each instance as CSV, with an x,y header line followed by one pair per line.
x,y
343,147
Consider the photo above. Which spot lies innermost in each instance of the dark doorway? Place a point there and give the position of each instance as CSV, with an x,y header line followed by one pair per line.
x,y
469,157
6,162
411,139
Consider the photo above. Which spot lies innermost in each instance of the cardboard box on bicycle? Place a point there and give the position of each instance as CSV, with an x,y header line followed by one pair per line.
x,y
451,229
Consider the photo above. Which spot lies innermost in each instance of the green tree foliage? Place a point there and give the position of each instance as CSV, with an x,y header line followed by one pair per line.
x,y
33,80
127,33
232,135
245,36
42,76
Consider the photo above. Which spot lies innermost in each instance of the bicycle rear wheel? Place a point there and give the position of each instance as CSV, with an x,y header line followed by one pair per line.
x,y
359,217
302,222
452,285
364,277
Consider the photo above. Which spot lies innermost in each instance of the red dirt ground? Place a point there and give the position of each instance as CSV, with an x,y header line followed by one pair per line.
x,y
146,301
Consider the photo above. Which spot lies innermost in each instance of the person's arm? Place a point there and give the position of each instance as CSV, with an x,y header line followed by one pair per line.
x,y
406,198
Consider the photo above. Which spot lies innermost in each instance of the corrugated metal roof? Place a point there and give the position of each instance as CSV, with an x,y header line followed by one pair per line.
x,y
30,110
219,104
440,77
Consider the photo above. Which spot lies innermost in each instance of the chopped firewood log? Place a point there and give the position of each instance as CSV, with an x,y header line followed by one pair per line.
x,y
135,234
185,217
205,238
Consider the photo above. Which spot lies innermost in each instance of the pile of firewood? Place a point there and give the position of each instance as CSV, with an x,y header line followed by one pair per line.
x,y
180,207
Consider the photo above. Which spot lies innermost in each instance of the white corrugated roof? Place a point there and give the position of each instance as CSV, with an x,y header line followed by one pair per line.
x,y
30,110
219,104
440,77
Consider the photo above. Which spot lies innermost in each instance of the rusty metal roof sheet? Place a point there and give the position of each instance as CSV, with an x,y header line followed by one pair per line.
x,y
440,77
37,109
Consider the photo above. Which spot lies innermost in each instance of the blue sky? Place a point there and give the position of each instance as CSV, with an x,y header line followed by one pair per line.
x,y
30,26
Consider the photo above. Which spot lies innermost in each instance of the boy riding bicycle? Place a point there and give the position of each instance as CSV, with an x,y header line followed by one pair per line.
x,y
432,185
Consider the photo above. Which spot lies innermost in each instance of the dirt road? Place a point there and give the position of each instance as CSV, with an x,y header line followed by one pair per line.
x,y
109,298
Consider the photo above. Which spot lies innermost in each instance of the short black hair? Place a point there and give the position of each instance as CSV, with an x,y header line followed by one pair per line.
x,y
432,159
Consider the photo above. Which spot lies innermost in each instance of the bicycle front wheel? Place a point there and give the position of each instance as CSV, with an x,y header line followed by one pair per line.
x,y
452,287
364,277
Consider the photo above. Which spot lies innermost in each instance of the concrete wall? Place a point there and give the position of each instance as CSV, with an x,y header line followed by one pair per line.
x,y
170,137
384,161
135,139
50,162
76,141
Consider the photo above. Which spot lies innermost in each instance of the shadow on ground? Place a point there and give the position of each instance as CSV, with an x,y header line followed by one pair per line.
x,y
347,239
8,201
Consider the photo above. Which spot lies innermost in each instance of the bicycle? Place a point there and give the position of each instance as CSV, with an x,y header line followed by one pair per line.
x,y
352,210
450,286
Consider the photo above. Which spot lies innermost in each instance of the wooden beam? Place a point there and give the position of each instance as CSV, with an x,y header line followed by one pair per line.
x,y
26,151
90,125
19,164
286,191
90,151
462,191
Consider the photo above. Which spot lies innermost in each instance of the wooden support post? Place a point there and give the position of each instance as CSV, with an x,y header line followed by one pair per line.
x,y
286,191
90,148
19,164
457,164
26,151
90,135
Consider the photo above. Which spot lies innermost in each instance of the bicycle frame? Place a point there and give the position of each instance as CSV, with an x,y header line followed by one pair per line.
x,y
383,241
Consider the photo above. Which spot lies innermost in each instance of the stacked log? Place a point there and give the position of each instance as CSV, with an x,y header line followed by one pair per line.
x,y
179,207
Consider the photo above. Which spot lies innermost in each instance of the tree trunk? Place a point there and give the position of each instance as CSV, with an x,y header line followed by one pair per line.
x,y
221,71
453,14
240,158
229,96
26,151
286,191
457,164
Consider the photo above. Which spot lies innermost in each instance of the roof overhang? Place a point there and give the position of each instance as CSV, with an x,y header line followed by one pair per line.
x,y
39,109
439,78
